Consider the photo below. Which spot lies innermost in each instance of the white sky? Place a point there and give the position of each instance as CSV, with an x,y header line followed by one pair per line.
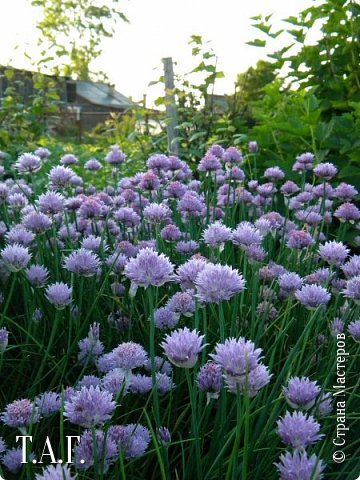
x,y
157,29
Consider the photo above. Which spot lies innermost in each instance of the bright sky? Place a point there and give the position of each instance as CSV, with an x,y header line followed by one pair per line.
x,y
157,29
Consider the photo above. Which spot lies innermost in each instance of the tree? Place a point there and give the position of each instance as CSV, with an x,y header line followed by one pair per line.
x,y
72,32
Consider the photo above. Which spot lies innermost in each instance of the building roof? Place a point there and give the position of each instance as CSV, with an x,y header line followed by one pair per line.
x,y
102,94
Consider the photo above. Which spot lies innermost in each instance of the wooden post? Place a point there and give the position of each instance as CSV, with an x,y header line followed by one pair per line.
x,y
171,114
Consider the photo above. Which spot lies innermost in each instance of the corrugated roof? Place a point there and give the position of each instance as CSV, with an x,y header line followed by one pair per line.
x,y
103,94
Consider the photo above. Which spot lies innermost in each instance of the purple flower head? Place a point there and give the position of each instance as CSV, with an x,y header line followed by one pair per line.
x,y
352,267
182,303
289,188
188,272
163,436
164,383
352,289
132,440
209,378
149,181
175,190
253,146
42,153
325,170
183,346
216,283
157,213
324,405
191,204
116,262
115,382
161,365
232,155
4,339
140,384
59,295
235,173
60,176
297,465
105,450
334,253
37,275
255,253
312,296
68,159
28,163
89,407
127,216
20,235
36,222
17,201
158,161
237,357
48,403
149,268
216,234
305,158
336,326
347,212
187,247
320,277
301,392
209,163
127,355
274,173
298,430
250,383
354,330
15,257
115,156
290,282
171,233
83,262
13,459
164,317
345,192
246,234
93,165
216,150
91,347
51,203
20,413
60,472
299,239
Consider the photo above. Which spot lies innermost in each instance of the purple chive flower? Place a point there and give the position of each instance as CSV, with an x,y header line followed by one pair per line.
x,y
132,440
164,317
171,233
297,465
115,156
182,303
36,222
246,234
158,161
187,247
163,436
352,267
91,347
116,262
4,339
149,268
289,188
28,163
68,159
216,150
345,192
347,212
93,165
59,295
235,173
37,275
216,283
175,190
48,403
274,173
325,170
312,296
334,253
232,155
42,153
140,384
354,330
298,430
251,383
89,406
301,392
164,384
210,163
209,378
105,450
299,239
253,146
216,234
289,282
188,272
93,243
13,459
352,289
60,472
83,262
336,326
51,203
183,346
17,201
60,176
156,213
255,253
237,357
149,181
15,257
127,355
88,381
191,204
161,365
127,216
20,413
115,382
324,405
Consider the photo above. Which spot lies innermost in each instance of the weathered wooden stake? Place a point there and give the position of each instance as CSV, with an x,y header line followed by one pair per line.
x,y
171,114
